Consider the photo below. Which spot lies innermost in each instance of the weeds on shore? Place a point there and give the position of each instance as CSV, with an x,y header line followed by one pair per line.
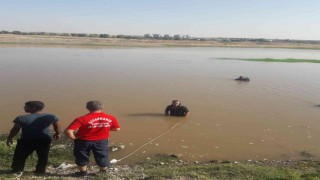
x,y
168,167
289,60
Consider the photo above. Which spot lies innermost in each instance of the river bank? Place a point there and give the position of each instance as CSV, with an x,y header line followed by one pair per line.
x,y
11,40
165,166
170,167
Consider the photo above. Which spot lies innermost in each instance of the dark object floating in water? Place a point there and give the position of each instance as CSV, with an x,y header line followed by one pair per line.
x,y
242,78
318,105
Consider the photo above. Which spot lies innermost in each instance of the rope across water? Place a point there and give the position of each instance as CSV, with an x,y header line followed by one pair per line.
x,y
165,133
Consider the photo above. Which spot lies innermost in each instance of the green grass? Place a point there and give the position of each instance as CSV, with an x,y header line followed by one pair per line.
x,y
162,167
60,151
165,167
168,167
6,153
223,171
288,60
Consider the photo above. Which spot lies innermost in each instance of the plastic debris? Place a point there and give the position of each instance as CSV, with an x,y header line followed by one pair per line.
x,y
65,166
113,161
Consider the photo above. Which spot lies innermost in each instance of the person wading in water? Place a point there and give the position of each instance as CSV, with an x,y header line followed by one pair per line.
x,y
175,109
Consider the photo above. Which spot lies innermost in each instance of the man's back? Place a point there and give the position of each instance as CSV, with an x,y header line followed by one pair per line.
x,y
94,125
35,125
92,135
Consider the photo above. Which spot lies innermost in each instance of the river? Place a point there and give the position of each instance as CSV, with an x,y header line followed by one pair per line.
x,y
271,117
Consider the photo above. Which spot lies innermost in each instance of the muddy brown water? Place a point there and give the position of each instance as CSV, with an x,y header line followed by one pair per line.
x,y
274,116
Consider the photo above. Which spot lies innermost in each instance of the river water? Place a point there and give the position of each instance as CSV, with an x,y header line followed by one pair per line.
x,y
271,117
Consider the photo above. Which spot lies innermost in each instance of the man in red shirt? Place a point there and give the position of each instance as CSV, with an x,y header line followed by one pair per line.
x,y
92,135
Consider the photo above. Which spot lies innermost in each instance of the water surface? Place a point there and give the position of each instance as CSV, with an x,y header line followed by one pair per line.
x,y
271,117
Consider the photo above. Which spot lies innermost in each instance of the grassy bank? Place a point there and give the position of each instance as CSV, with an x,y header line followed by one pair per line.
x,y
287,60
163,167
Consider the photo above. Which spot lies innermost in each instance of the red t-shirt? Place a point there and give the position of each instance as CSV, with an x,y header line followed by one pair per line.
x,y
94,126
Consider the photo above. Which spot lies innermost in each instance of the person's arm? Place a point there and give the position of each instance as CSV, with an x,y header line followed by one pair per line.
x,y
166,112
115,125
13,132
186,111
57,129
70,134
115,129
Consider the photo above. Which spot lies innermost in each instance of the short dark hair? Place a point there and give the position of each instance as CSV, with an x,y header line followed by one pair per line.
x,y
35,105
175,101
94,105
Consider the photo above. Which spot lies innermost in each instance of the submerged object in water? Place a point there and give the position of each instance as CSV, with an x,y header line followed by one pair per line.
x,y
242,78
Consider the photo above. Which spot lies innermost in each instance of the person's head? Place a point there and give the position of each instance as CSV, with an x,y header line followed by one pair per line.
x,y
94,106
176,103
33,106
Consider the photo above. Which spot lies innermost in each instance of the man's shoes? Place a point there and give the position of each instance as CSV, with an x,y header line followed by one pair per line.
x,y
81,174
103,171
17,174
39,173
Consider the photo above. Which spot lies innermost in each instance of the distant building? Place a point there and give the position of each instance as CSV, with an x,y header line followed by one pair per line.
x,y
167,36
178,37
186,37
157,36
148,36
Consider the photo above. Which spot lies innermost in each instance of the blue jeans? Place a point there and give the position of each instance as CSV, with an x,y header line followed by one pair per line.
x,y
99,148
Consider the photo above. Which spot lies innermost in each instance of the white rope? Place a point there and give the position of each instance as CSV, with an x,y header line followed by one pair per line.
x,y
165,133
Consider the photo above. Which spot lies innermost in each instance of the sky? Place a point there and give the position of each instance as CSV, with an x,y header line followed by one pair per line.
x,y
275,19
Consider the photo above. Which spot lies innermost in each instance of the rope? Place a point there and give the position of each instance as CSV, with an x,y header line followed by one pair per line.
x,y
165,133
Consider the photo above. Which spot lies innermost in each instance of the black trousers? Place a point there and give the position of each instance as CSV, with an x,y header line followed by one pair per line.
x,y
25,147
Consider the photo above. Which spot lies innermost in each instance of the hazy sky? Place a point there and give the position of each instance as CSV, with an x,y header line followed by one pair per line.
x,y
293,19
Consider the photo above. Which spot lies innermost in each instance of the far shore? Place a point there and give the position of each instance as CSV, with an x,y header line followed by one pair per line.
x,y
11,40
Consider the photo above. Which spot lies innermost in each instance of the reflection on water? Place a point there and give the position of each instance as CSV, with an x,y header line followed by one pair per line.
x,y
148,114
274,116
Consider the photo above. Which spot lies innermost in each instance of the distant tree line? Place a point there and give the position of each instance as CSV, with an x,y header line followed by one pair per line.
x,y
262,40
72,34
165,37
57,34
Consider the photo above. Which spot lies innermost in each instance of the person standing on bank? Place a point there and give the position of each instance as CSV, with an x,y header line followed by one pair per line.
x,y
93,133
35,136
175,109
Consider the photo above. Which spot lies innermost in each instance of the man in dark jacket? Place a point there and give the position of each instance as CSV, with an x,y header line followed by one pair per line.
x,y
175,109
